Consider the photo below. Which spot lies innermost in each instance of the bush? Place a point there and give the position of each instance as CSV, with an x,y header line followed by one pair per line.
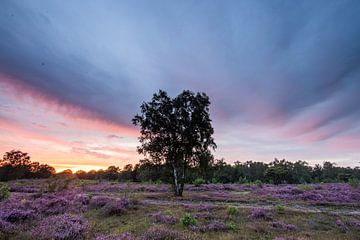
x,y
231,210
198,181
188,220
354,182
4,191
259,213
232,226
117,207
280,208
61,227
258,183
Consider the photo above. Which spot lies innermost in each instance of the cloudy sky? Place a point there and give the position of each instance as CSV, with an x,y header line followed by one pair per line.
x,y
283,76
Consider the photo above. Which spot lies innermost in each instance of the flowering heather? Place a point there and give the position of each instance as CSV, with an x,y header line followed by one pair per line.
x,y
283,226
341,225
162,218
50,205
99,201
61,227
14,215
215,225
318,194
6,227
199,207
260,213
125,187
124,236
116,207
161,233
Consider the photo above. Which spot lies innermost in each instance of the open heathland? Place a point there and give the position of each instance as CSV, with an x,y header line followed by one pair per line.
x,y
90,209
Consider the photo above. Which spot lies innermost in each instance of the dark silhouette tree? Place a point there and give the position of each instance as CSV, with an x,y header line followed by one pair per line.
x,y
175,131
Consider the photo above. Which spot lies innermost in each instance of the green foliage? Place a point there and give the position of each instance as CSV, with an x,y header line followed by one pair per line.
x,y
231,210
198,181
280,208
188,220
258,183
305,187
354,182
232,226
175,131
4,191
56,184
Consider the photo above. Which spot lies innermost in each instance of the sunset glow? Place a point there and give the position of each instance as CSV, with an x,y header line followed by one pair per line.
x,y
283,81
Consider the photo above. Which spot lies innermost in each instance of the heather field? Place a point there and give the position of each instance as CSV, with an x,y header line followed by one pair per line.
x,y
87,209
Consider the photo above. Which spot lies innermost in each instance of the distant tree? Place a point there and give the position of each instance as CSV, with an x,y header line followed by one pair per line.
x,y
175,131
81,174
15,158
17,164
67,173
111,173
279,171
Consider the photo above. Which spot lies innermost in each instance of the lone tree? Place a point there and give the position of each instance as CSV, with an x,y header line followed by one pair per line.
x,y
176,131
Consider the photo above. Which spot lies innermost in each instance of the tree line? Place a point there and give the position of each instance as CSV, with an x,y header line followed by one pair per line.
x,y
218,171
17,165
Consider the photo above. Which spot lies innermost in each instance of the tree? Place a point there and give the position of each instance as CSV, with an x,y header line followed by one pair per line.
x,y
175,131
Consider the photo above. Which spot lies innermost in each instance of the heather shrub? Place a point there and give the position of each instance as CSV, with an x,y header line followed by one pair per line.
x,y
161,233
116,207
161,218
4,191
354,182
15,215
341,225
198,182
6,227
283,226
231,210
259,213
188,220
124,236
216,226
52,205
61,227
99,201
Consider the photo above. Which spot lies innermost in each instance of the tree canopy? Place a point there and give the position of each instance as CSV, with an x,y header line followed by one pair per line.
x,y
176,131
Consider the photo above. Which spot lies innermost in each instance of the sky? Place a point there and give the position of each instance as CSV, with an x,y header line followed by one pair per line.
x,y
283,77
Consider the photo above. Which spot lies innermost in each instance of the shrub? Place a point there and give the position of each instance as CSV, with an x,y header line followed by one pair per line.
x,y
280,208
198,182
161,233
259,213
161,218
6,227
354,182
100,201
61,227
116,207
231,210
283,226
215,225
258,183
17,215
232,226
188,220
4,191
124,236
305,187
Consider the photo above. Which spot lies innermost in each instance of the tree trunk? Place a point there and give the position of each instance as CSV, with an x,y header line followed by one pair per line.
x,y
178,182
